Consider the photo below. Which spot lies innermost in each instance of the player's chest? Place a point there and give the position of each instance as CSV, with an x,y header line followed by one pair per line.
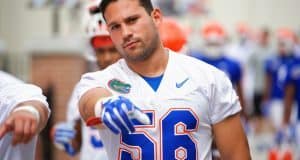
x,y
170,108
177,93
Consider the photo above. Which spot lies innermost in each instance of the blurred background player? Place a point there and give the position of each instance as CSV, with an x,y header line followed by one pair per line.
x,y
71,135
289,130
213,52
292,93
240,49
24,113
260,54
276,68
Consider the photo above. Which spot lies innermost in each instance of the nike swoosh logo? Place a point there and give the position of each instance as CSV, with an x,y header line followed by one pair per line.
x,y
179,85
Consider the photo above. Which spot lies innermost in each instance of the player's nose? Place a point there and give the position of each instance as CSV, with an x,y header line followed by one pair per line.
x,y
126,32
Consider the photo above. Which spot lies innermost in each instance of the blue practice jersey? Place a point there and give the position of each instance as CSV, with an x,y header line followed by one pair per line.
x,y
277,68
293,77
231,67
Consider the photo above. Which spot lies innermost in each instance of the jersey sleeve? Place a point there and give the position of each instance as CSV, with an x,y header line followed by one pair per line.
x,y
89,81
14,91
224,101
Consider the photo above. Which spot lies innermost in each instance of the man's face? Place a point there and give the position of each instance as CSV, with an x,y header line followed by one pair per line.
x,y
133,31
264,38
213,48
106,56
285,47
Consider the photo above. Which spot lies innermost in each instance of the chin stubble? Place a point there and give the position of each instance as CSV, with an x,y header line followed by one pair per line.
x,y
145,53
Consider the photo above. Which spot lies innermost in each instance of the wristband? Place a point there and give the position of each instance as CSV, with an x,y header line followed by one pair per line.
x,y
30,109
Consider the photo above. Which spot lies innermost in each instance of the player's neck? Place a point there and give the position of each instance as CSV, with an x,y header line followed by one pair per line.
x,y
154,66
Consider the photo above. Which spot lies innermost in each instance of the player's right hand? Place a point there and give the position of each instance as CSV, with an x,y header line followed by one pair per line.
x,y
63,134
22,124
118,112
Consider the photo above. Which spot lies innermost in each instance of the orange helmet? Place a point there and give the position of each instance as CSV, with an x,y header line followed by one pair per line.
x,y
213,31
172,34
286,34
243,28
245,31
286,41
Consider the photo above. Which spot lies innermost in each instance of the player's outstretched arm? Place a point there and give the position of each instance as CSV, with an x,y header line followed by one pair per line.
x,y
231,139
25,121
116,112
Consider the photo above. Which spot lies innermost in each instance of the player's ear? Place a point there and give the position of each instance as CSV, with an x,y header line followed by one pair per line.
x,y
156,16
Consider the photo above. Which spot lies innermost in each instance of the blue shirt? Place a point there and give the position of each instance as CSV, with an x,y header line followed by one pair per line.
x,y
293,77
277,68
154,82
231,67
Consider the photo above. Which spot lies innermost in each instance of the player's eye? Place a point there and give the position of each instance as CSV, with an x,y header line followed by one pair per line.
x,y
114,27
132,20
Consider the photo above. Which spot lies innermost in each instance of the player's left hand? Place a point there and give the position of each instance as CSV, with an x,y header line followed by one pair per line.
x,y
22,124
118,113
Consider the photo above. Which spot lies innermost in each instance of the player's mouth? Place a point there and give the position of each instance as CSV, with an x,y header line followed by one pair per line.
x,y
130,45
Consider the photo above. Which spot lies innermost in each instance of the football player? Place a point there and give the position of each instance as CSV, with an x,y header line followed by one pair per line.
x,y
155,103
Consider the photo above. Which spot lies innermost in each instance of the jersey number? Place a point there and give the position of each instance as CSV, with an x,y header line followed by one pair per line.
x,y
176,141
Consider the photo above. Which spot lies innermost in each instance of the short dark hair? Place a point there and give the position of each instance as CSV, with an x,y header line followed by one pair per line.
x,y
144,3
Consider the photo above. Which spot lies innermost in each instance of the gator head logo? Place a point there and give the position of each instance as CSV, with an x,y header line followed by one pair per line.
x,y
119,86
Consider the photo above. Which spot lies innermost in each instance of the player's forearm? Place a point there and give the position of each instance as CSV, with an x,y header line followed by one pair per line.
x,y
42,110
240,151
88,101
238,155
